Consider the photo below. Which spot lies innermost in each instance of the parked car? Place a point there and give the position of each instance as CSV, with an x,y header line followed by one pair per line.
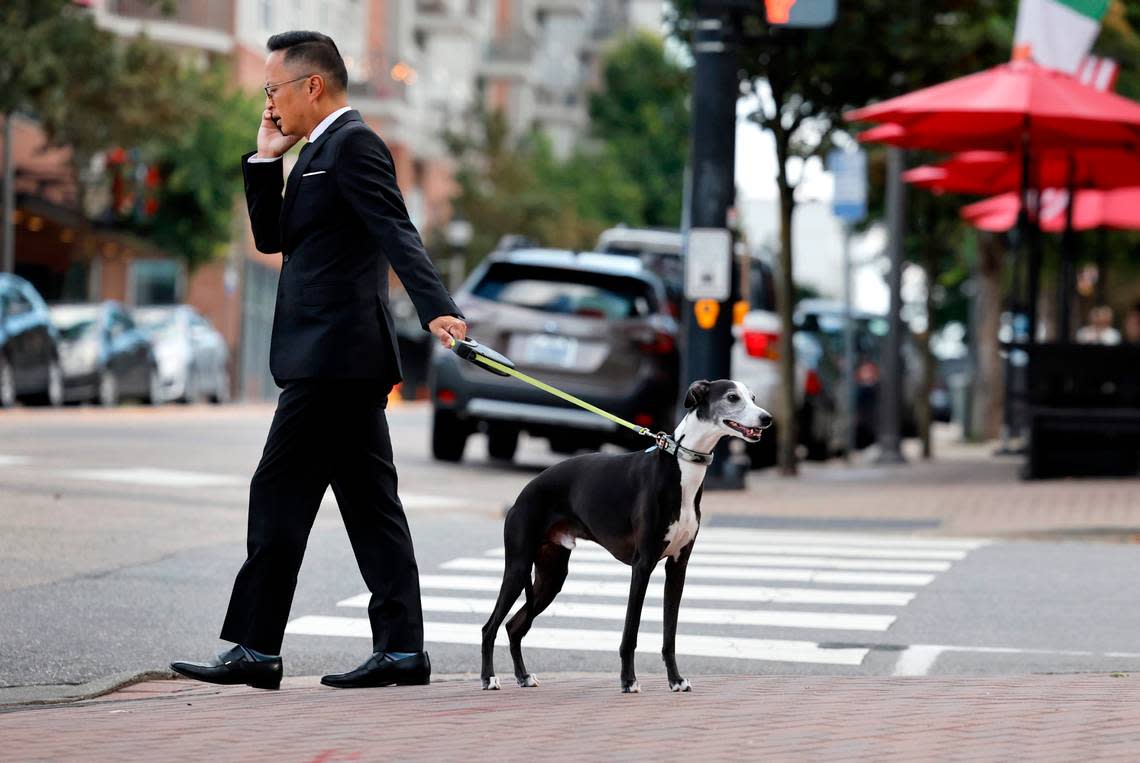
x,y
30,367
192,356
594,325
755,360
105,356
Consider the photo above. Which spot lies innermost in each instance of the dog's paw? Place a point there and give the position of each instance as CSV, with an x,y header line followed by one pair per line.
x,y
633,687
682,685
492,683
528,681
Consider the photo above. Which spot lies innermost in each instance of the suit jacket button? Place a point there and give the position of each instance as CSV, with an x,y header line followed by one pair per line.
x,y
285,258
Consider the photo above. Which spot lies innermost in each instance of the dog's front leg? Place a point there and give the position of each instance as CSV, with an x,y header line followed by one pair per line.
x,y
639,582
674,586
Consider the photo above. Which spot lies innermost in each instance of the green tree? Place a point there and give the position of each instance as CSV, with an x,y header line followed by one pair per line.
x,y
808,78
641,115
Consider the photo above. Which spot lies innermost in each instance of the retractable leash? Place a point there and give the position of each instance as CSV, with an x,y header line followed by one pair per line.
x,y
499,364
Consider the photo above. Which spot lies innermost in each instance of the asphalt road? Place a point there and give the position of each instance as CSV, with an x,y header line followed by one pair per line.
x,y
120,533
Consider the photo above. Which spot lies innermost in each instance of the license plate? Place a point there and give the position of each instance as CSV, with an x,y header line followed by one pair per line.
x,y
548,350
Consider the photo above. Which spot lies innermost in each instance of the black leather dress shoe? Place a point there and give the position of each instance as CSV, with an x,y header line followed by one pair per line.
x,y
236,666
382,670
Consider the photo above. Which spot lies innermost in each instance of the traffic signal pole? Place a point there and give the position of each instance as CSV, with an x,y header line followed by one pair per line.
x,y
710,284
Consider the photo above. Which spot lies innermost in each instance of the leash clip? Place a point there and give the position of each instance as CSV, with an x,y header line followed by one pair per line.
x,y
662,440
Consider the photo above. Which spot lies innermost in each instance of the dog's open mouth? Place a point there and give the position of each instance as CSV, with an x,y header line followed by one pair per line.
x,y
749,433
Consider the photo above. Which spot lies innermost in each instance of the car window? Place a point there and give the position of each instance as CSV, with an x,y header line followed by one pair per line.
x,y
17,303
566,292
74,323
761,288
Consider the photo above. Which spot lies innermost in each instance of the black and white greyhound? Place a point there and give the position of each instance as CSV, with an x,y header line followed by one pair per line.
x,y
642,507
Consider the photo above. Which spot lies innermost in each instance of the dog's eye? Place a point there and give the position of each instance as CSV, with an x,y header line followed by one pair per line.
x,y
734,398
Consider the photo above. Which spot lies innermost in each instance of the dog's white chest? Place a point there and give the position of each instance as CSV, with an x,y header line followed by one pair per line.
x,y
681,532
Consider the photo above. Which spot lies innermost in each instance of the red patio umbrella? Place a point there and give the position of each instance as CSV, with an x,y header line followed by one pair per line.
x,y
1003,107
1118,208
989,172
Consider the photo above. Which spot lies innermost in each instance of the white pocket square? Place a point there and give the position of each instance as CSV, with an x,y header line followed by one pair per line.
x,y
318,172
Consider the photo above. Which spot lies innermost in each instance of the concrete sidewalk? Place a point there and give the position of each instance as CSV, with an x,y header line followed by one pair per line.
x,y
1040,718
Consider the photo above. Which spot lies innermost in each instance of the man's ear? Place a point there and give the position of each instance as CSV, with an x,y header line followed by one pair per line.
x,y
697,394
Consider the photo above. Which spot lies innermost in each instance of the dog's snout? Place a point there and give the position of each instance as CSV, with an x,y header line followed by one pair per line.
x,y
765,419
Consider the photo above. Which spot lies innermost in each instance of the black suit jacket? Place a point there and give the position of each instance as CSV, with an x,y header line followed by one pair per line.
x,y
340,224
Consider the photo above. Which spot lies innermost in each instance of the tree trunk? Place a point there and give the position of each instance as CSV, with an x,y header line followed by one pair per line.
x,y
988,376
785,300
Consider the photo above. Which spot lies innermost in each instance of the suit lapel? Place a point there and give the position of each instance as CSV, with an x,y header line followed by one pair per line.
x,y
308,151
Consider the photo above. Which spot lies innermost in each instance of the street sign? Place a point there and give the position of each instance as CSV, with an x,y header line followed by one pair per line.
x,y
708,264
800,14
849,168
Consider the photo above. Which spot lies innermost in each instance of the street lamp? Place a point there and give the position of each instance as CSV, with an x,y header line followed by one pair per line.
x,y
458,234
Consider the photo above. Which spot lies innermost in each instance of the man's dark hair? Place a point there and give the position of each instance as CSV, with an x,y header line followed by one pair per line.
x,y
316,51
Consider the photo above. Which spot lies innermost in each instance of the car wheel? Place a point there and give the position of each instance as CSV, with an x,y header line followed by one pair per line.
x,y
108,395
448,436
53,394
502,442
221,388
154,387
7,384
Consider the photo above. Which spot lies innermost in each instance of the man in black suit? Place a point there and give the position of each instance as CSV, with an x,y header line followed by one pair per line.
x,y
339,225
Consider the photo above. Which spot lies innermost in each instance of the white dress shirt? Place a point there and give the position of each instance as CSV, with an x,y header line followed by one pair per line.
x,y
316,133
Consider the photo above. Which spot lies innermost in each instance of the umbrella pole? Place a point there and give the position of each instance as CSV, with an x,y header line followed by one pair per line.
x,y
1016,305
1065,276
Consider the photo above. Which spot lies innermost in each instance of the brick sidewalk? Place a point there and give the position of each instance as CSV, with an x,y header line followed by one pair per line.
x,y
965,490
1040,718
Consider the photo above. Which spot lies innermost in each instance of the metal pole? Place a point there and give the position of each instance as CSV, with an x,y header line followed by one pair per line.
x,y
849,341
8,264
706,352
1065,276
890,379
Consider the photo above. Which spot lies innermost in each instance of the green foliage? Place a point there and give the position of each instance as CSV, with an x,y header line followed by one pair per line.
x,y
200,169
641,114
630,171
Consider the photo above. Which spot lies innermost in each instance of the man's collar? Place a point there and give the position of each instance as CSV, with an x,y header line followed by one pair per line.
x,y
324,123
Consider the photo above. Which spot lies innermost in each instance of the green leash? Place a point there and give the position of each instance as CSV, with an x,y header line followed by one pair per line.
x,y
499,364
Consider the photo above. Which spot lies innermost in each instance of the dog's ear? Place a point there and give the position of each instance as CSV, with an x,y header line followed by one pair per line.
x,y
697,394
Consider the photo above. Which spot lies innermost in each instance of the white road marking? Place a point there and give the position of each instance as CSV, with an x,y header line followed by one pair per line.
x,y
13,460
700,556
411,501
711,616
839,538
692,592
157,477
918,659
617,569
771,650
842,551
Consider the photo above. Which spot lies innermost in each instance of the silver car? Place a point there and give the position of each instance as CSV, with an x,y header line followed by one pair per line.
x,y
192,356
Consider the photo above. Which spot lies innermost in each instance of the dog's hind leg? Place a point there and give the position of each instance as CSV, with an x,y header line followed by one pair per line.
x,y
674,586
550,567
639,582
516,577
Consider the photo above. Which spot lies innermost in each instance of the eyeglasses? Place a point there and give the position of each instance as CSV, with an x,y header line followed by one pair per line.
x,y
271,89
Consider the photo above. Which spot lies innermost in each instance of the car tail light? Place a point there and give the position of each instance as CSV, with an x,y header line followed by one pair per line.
x,y
643,419
661,344
445,396
762,344
812,384
867,374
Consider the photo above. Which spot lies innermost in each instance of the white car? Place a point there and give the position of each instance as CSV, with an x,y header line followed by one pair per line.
x,y
192,356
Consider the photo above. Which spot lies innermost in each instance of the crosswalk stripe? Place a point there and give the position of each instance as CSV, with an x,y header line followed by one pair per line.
x,y
771,650
713,558
156,477
692,592
841,539
703,615
721,573
716,547
845,551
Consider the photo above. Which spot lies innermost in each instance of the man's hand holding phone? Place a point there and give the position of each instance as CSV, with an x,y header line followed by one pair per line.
x,y
271,142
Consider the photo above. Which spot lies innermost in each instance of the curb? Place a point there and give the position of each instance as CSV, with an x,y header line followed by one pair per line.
x,y
56,694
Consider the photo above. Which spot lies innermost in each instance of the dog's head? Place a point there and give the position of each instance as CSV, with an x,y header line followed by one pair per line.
x,y
729,406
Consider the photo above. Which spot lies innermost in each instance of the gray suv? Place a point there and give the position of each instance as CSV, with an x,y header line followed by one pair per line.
x,y
595,325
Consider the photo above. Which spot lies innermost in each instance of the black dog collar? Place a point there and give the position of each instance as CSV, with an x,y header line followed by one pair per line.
x,y
673,448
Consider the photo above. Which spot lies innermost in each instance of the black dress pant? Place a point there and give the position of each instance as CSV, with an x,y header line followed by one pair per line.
x,y
327,432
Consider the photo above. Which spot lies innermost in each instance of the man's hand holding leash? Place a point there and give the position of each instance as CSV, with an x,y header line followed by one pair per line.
x,y
447,327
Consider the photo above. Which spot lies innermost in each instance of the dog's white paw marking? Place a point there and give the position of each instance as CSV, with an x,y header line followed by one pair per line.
x,y
684,685
566,541
492,684
632,688
528,681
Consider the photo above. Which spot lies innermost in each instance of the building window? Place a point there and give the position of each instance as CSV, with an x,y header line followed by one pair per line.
x,y
155,282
